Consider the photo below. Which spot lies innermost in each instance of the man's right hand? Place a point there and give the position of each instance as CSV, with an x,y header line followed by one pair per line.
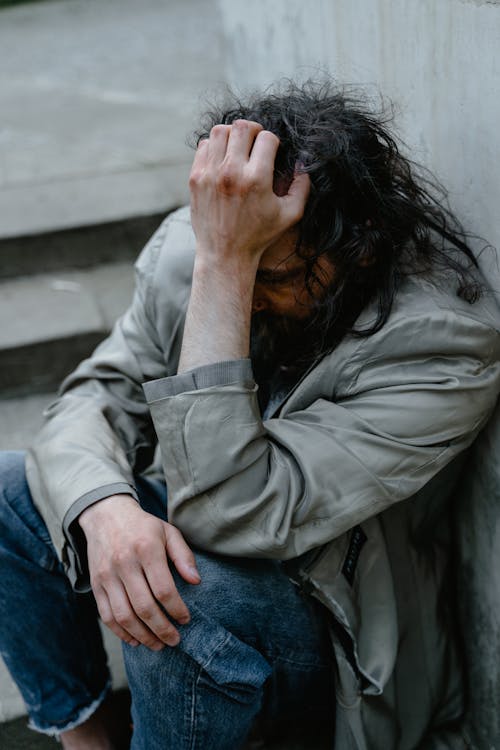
x,y
128,551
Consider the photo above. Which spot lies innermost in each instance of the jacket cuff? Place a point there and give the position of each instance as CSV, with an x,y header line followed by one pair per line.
x,y
75,550
234,371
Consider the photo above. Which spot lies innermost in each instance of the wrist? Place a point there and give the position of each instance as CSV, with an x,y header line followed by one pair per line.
x,y
231,279
96,513
208,261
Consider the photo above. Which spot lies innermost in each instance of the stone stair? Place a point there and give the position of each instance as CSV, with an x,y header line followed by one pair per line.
x,y
51,320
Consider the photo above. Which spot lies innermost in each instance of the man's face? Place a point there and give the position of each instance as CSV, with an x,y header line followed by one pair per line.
x,y
280,288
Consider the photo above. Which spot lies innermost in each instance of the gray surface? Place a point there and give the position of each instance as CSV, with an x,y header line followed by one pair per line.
x,y
97,99
15,735
21,418
438,60
81,247
52,321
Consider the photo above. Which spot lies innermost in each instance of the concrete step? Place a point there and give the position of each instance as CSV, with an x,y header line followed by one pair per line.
x,y
52,321
20,419
81,247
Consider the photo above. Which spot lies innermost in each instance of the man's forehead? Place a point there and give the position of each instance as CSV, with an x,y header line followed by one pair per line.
x,y
281,253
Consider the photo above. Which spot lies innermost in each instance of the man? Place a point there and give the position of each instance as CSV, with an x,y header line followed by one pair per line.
x,y
319,268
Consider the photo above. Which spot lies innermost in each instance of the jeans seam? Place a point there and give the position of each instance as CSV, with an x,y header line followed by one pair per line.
x,y
194,717
202,667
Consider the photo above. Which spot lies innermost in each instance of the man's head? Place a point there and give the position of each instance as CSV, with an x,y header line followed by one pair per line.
x,y
368,219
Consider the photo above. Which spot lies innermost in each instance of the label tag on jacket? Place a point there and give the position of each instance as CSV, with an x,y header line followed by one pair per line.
x,y
358,539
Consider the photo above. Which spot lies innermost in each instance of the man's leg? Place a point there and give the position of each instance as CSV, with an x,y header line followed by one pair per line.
x,y
255,647
49,636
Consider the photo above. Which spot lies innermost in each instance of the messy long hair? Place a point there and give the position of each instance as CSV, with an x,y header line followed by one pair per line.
x,y
376,214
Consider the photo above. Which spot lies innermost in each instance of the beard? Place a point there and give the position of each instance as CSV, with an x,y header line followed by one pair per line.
x,y
283,345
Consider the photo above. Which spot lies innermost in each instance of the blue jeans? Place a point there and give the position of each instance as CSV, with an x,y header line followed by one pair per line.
x,y
256,648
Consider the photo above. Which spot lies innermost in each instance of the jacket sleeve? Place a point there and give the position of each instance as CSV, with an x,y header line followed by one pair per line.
x,y
99,430
405,404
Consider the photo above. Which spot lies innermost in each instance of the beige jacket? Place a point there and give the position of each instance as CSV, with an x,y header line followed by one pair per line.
x,y
349,480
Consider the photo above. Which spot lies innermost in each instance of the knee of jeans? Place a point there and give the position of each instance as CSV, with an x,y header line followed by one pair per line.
x,y
12,478
221,659
11,465
234,592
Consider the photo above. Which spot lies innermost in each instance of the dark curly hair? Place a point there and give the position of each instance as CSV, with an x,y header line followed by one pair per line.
x,y
376,214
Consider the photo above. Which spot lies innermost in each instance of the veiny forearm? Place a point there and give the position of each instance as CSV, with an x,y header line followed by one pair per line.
x,y
218,318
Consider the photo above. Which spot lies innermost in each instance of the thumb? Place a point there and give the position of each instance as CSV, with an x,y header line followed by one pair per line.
x,y
180,554
298,193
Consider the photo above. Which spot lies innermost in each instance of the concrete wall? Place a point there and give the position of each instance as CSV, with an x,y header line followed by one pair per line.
x,y
439,60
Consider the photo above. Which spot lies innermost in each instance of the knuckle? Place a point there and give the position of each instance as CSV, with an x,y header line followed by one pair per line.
x,y
125,619
253,181
218,130
194,179
165,633
108,619
142,546
145,611
101,578
164,593
119,559
227,179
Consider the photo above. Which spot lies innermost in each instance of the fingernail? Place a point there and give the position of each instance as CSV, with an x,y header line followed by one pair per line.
x,y
193,571
174,640
183,620
133,642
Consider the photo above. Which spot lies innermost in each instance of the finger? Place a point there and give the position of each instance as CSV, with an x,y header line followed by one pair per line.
x,y
163,588
106,616
125,617
200,157
296,198
217,143
263,156
181,554
241,140
147,610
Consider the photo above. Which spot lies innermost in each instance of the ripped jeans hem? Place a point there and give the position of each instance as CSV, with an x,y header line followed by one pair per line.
x,y
83,715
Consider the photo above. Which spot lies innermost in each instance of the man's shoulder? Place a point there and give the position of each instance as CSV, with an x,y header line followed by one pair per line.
x,y
429,325
167,259
431,312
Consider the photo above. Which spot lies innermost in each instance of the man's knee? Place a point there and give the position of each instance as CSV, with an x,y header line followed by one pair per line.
x,y
12,468
23,532
219,644
234,592
208,655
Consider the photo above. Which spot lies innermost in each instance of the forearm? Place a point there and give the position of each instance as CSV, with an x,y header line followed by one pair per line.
x,y
218,318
